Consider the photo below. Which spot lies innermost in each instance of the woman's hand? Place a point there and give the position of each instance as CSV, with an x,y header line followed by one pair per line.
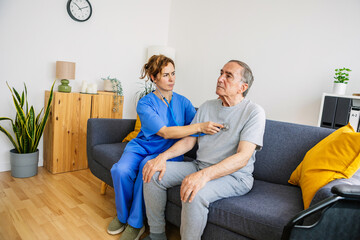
x,y
210,127
157,164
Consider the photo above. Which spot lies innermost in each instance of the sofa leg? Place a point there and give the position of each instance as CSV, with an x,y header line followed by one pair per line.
x,y
103,188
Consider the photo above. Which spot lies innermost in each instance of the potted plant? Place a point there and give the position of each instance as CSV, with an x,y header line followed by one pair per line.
x,y
113,85
27,128
147,87
342,78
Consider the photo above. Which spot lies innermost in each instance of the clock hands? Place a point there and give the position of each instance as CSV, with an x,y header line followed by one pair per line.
x,y
80,7
77,5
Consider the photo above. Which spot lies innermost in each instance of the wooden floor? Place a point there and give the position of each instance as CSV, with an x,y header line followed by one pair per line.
x,y
61,206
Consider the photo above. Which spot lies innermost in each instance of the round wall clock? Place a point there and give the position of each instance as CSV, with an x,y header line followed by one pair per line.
x,y
79,10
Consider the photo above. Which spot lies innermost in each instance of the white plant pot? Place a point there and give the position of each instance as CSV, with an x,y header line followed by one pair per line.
x,y
339,88
108,86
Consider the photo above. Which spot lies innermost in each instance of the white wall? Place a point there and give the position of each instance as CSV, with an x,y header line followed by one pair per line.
x,y
35,34
292,47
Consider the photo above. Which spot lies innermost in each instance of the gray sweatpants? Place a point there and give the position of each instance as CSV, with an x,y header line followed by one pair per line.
x,y
194,214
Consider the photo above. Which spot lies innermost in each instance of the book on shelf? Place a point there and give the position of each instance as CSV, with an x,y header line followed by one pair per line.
x,y
354,118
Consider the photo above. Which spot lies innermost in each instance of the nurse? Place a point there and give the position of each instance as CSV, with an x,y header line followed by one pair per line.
x,y
165,117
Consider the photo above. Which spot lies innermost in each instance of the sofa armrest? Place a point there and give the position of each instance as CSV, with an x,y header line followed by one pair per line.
x,y
106,130
103,131
334,217
349,191
325,191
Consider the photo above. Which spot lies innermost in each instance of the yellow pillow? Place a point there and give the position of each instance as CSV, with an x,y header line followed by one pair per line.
x,y
134,133
336,156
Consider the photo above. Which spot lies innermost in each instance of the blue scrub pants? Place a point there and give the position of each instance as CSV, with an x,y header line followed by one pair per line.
x,y
128,186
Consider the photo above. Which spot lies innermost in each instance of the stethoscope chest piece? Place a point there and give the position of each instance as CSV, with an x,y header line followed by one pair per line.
x,y
226,127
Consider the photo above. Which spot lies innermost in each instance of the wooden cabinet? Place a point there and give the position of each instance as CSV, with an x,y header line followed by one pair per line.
x,y
65,132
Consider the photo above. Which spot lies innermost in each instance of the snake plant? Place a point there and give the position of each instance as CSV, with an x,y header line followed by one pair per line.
x,y
27,127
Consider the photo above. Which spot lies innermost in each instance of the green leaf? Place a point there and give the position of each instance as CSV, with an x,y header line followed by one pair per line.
x,y
31,123
38,117
16,98
17,95
25,89
25,139
27,105
17,133
19,110
29,132
22,100
41,127
6,118
10,138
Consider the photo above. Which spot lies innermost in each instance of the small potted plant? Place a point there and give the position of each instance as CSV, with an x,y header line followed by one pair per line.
x,y
113,85
341,79
27,130
146,88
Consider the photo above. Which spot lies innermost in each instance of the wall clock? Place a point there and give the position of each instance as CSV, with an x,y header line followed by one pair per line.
x,y
79,10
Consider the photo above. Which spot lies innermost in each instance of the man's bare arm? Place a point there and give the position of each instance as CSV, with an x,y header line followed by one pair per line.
x,y
158,164
180,147
177,132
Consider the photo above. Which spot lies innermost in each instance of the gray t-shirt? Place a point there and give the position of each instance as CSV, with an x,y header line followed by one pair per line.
x,y
246,122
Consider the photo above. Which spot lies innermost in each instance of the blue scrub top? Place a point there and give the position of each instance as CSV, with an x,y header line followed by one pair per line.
x,y
155,114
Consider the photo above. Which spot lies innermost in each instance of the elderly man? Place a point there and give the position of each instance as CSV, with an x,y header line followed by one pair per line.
x,y
225,160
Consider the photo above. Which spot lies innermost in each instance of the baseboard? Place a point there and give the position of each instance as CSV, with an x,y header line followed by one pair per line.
x,y
5,166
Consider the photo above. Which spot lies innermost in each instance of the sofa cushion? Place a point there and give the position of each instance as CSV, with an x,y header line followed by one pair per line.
x,y
285,145
134,133
108,154
335,157
325,191
260,214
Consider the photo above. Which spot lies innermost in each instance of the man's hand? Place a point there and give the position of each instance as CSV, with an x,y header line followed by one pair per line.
x,y
210,127
191,185
157,164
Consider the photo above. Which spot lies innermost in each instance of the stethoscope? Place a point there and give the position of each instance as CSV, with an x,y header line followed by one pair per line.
x,y
225,128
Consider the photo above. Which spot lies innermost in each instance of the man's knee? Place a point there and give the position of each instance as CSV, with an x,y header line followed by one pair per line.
x,y
155,182
199,200
155,177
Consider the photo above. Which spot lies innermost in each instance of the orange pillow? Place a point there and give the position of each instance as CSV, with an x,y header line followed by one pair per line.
x,y
336,156
134,133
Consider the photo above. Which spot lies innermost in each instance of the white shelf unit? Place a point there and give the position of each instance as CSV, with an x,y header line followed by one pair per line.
x,y
356,102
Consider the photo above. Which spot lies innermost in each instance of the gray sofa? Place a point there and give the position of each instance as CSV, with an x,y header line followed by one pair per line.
x,y
260,214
